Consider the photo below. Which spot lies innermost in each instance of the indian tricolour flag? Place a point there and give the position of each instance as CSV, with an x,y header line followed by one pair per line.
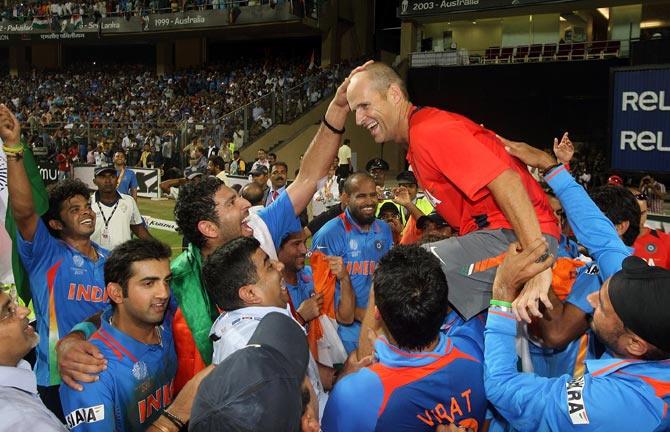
x,y
41,23
76,21
11,269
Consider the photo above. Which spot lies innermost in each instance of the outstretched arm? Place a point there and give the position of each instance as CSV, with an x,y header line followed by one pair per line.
x,y
322,150
20,192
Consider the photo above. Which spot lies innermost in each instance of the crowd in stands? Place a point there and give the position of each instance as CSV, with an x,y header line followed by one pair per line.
x,y
491,301
17,10
125,107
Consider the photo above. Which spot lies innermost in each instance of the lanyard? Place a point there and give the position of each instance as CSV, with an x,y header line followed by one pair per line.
x,y
104,219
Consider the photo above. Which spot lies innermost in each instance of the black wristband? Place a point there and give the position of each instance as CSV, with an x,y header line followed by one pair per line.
x,y
331,127
174,419
550,168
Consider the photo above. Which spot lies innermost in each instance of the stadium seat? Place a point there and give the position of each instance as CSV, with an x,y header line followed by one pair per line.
x,y
549,52
506,54
578,51
535,53
596,49
491,54
564,50
612,49
521,54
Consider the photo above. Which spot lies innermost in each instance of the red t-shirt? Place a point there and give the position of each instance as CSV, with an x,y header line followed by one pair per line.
x,y
63,162
654,247
454,159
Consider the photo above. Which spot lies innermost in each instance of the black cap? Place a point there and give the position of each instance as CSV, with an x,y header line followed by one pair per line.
x,y
388,207
103,169
376,163
259,170
640,296
406,177
434,217
258,387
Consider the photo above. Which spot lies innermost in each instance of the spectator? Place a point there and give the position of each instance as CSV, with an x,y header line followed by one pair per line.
x,y
272,158
390,214
262,160
655,192
147,157
198,155
278,173
90,155
435,226
651,245
328,195
21,408
63,161
259,175
237,166
361,240
126,177
116,215
253,193
139,320
215,167
345,166
377,168
410,294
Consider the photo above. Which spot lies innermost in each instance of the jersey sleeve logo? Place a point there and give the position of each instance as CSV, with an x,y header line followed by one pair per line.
x,y
651,248
575,400
593,270
353,244
85,415
378,245
78,260
140,371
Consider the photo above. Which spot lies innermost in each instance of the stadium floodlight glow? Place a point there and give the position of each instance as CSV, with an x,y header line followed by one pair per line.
x,y
650,24
605,12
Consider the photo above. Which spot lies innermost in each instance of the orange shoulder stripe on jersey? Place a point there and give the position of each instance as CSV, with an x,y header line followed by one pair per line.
x,y
51,276
612,366
97,335
661,388
347,225
414,355
117,344
394,378
580,366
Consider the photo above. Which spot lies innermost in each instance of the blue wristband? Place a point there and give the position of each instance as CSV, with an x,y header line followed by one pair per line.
x,y
87,328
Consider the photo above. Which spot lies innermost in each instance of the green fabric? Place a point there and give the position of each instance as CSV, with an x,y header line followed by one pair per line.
x,y
192,298
41,204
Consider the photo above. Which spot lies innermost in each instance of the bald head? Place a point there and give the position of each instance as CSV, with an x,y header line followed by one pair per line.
x,y
354,182
253,193
381,77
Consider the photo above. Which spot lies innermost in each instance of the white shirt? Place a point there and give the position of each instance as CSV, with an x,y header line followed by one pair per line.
x,y
320,202
344,154
21,408
119,220
232,330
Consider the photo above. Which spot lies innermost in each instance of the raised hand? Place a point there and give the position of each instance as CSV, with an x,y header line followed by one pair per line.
x,y
564,150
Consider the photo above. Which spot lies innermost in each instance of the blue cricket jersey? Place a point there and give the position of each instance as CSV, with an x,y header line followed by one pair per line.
x,y
614,394
66,286
280,219
127,182
567,248
361,251
134,389
303,289
412,391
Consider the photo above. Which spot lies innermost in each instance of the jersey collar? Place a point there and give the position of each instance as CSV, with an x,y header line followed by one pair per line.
x,y
392,356
350,222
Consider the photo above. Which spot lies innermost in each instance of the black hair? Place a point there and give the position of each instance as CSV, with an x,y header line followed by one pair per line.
x,y
118,267
194,204
619,205
218,161
280,163
59,193
228,269
411,295
355,178
272,154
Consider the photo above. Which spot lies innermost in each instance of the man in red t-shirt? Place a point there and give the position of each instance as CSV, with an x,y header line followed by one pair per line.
x,y
651,245
63,164
472,182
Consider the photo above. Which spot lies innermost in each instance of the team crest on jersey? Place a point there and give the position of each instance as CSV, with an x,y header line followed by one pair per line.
x,y
353,244
575,400
140,371
85,415
378,245
78,260
651,248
